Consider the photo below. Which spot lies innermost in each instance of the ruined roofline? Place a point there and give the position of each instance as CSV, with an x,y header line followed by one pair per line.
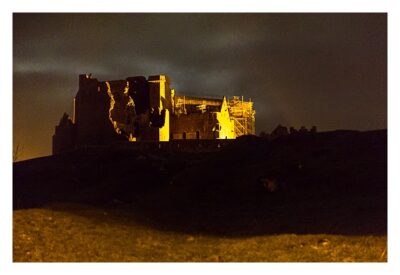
x,y
87,79
158,77
211,98
163,77
192,100
216,98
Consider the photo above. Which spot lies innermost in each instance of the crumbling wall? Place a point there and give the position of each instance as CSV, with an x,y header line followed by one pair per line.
x,y
92,104
139,91
122,112
64,136
132,109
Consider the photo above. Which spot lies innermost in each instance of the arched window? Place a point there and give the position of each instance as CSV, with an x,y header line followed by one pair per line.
x,y
184,135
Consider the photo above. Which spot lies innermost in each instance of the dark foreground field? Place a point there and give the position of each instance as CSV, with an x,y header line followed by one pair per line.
x,y
313,198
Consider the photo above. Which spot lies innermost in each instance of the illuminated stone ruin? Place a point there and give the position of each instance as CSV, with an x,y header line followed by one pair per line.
x,y
139,109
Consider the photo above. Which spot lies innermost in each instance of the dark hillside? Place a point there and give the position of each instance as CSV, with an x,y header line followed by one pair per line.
x,y
327,183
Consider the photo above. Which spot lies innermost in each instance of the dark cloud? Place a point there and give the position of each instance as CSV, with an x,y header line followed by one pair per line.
x,y
327,70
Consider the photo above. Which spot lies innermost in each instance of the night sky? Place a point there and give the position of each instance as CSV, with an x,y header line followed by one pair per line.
x,y
328,70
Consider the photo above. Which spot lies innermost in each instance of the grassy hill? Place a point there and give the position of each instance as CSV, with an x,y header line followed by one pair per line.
x,y
69,232
312,198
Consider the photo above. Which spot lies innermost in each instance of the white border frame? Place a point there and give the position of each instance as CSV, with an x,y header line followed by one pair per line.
x,y
6,11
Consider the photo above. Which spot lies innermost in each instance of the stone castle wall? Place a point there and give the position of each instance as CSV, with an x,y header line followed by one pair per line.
x,y
142,110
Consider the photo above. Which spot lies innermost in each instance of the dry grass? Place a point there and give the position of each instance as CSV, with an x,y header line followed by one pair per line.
x,y
78,233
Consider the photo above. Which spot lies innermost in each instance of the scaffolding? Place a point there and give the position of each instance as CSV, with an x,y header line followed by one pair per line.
x,y
240,111
243,115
